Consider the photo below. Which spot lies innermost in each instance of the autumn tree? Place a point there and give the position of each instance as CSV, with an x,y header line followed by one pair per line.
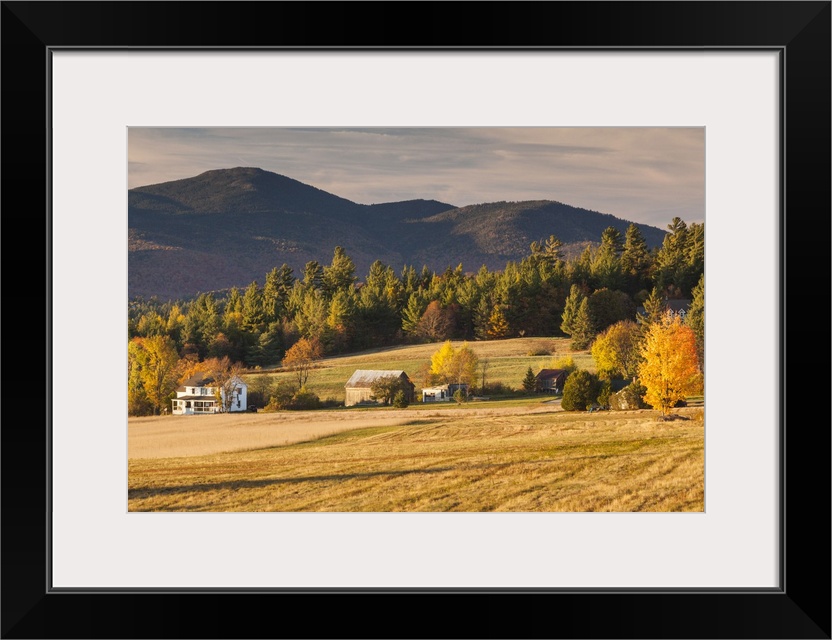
x,y
301,357
152,373
617,350
386,388
455,365
435,324
226,375
670,367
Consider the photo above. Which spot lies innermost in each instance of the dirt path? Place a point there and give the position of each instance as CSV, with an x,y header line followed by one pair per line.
x,y
175,436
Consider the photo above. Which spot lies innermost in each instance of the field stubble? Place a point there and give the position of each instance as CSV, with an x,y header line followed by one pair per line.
x,y
515,460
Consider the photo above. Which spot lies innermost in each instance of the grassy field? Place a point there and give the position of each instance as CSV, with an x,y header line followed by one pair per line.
x,y
472,458
508,362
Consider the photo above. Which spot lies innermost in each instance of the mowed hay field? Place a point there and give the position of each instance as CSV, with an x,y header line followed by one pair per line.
x,y
464,459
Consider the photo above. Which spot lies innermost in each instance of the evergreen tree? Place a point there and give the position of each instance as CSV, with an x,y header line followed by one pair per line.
x,y
570,310
654,308
695,319
671,260
530,381
276,290
412,313
340,274
313,275
635,260
579,391
583,329
253,316
498,326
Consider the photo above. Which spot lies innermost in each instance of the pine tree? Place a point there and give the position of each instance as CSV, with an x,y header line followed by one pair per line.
x,y
497,324
570,310
340,274
530,381
276,290
253,316
695,319
583,330
635,260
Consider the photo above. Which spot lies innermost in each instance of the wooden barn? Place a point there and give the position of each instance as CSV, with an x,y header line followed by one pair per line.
x,y
551,380
359,386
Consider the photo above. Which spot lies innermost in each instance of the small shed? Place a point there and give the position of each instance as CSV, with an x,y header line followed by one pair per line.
x,y
442,393
551,380
359,386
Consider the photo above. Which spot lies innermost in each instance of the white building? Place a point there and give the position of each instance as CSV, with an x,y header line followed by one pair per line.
x,y
442,393
198,395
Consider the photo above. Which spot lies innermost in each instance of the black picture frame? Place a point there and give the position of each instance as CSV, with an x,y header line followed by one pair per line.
x,y
800,608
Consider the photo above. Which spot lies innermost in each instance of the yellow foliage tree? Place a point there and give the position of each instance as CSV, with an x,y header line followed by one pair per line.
x,y
152,371
497,324
616,351
670,367
455,365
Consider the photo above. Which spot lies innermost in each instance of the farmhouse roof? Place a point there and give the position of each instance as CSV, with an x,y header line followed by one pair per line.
x,y
208,398
547,374
366,377
198,380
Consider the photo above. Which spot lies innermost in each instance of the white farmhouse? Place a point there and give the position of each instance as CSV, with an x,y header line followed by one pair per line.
x,y
197,395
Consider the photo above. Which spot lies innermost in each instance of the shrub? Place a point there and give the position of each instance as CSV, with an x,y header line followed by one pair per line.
x,y
498,389
538,352
304,400
579,391
604,391
459,396
400,400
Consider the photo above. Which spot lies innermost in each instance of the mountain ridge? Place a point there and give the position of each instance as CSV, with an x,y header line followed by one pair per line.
x,y
228,227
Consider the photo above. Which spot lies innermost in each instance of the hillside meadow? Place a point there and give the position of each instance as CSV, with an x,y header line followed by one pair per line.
x,y
508,361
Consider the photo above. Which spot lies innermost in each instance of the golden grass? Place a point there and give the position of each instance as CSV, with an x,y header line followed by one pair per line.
x,y
486,460
181,436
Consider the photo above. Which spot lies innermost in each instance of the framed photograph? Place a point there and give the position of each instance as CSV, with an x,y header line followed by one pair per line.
x,y
98,96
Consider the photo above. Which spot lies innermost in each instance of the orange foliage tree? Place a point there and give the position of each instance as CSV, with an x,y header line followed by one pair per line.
x,y
301,358
670,367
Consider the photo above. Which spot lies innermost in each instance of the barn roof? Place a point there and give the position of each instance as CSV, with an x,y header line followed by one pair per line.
x,y
366,377
546,374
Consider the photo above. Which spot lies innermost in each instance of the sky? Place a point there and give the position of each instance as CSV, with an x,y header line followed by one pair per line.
x,y
647,175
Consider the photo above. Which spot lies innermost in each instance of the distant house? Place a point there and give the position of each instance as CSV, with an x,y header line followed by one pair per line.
x,y
197,395
442,393
551,380
679,306
359,386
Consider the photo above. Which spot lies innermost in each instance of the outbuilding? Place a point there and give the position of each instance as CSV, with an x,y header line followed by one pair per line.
x,y
359,387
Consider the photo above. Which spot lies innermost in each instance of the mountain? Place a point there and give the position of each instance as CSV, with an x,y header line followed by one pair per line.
x,y
228,227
